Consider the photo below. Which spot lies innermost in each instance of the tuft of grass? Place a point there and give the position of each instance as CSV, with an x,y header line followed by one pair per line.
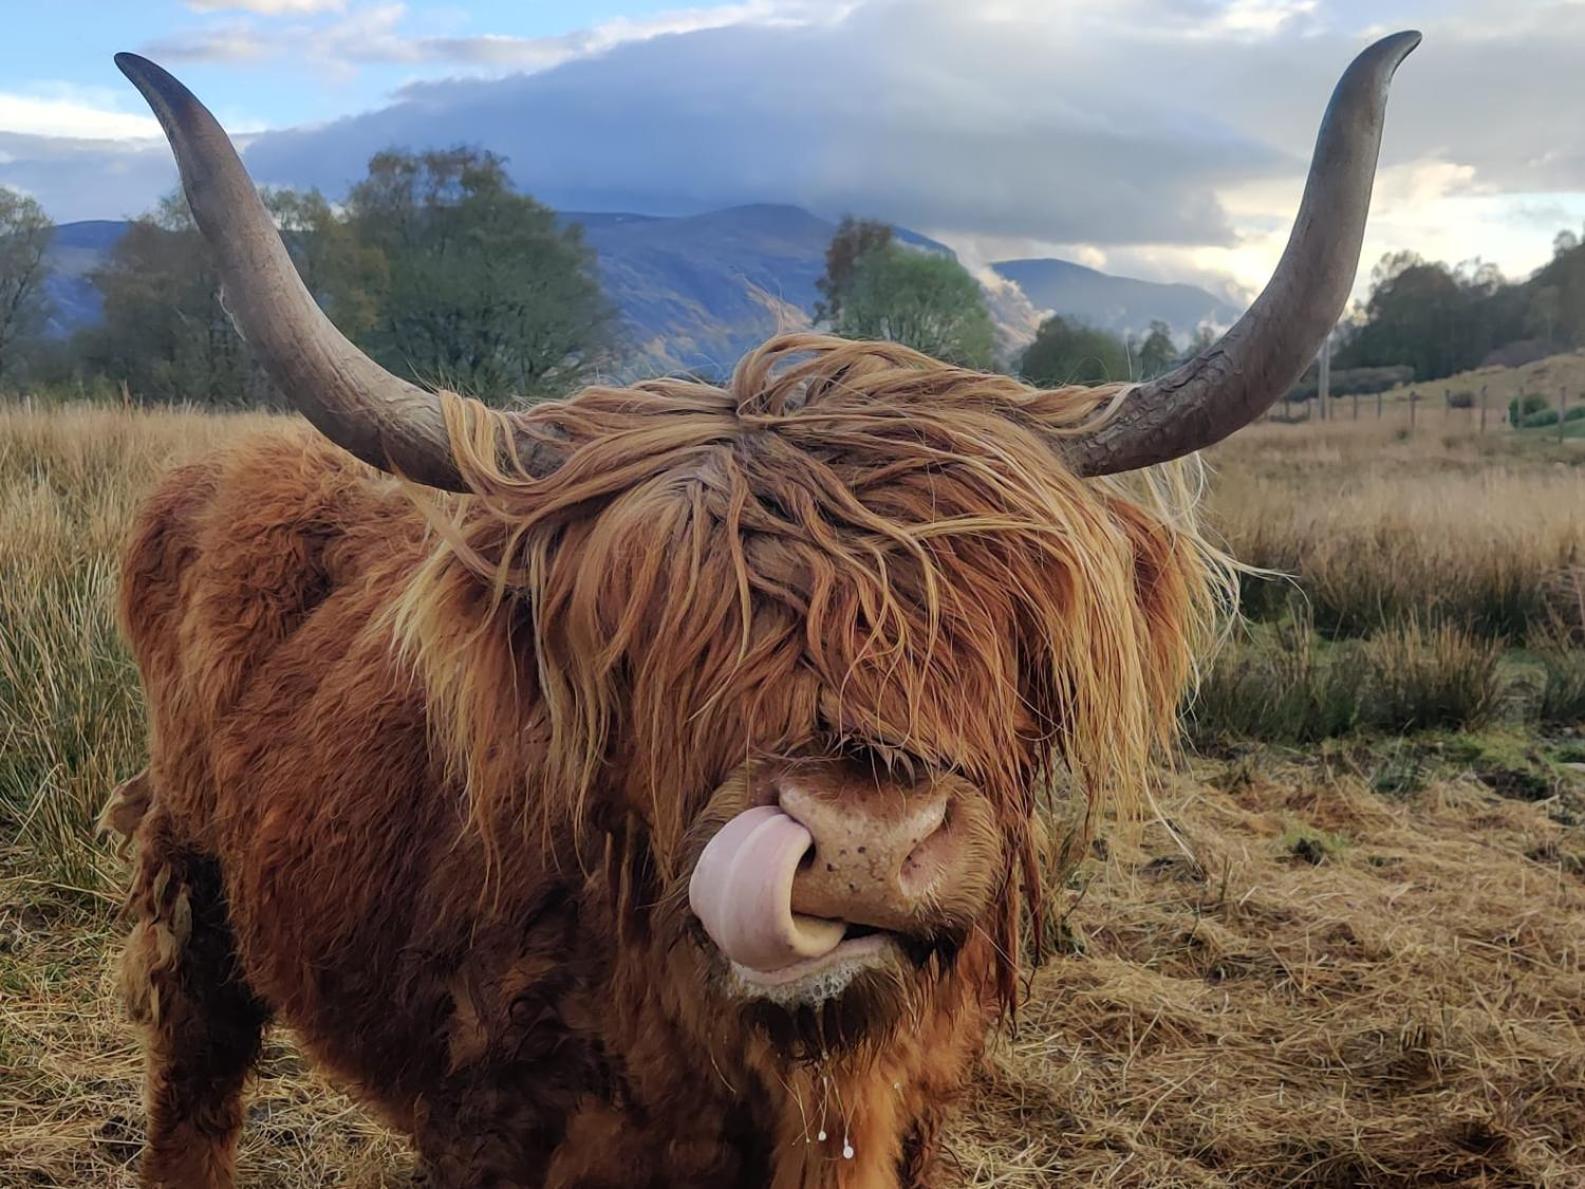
x,y
1281,686
1562,697
1428,678
1400,773
71,716
1285,684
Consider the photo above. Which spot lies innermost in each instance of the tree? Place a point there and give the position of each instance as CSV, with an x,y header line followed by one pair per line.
x,y
436,267
921,299
1557,294
25,234
1544,312
344,275
1066,352
165,332
1202,340
1435,319
854,239
1157,354
471,284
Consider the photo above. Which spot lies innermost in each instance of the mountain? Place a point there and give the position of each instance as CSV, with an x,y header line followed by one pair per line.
x,y
694,292
1118,304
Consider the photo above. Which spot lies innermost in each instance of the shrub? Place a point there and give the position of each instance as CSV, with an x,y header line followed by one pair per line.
x,y
1461,400
1282,686
1422,678
1347,381
1523,406
1564,596
1562,699
1549,417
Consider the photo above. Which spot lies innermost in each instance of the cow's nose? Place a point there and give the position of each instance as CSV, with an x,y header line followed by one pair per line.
x,y
881,859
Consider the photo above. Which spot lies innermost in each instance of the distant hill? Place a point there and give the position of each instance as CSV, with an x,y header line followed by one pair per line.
x,y
695,292
1118,304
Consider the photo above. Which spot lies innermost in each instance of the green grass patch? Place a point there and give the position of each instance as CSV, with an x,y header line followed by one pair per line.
x,y
1312,845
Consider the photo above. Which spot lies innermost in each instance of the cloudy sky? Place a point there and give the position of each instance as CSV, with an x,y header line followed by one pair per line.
x,y
1166,139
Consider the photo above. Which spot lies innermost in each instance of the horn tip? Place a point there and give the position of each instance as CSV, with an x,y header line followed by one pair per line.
x,y
157,84
1398,46
134,66
164,93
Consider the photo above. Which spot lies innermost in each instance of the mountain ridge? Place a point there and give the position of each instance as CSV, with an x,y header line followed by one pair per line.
x,y
1111,302
694,292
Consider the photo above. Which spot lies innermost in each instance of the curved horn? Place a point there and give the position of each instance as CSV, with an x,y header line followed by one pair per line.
x,y
354,402
1234,381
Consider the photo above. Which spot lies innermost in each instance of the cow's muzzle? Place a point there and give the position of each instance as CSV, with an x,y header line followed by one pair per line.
x,y
825,875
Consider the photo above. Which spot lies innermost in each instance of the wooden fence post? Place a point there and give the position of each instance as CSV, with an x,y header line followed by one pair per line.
x,y
1378,404
1414,399
1562,412
1483,410
1323,377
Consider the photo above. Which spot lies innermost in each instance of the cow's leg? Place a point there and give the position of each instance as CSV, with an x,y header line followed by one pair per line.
x,y
202,1025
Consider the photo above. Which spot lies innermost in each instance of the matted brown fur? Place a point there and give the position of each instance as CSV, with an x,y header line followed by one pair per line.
x,y
429,777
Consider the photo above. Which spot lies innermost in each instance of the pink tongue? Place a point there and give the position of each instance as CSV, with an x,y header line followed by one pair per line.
x,y
741,891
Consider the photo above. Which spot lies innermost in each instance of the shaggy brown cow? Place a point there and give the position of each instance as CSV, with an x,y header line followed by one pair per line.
x,y
659,807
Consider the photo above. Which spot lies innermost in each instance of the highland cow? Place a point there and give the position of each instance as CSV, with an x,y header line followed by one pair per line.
x,y
666,798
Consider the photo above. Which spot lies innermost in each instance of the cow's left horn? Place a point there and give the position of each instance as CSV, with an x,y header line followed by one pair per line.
x,y
1231,383
353,401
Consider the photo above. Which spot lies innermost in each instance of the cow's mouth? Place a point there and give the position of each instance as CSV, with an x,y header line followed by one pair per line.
x,y
742,892
825,976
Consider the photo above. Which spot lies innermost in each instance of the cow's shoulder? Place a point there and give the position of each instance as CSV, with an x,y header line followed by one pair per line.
x,y
233,553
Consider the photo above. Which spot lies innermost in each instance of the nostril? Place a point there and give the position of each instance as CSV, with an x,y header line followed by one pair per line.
x,y
930,856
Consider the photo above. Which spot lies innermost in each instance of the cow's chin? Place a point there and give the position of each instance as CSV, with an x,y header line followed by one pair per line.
x,y
856,994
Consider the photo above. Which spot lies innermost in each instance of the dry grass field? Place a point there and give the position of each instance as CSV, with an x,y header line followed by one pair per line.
x,y
1346,951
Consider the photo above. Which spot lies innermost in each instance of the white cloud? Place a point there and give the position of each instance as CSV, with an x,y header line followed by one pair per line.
x,y
238,42
270,8
537,53
1263,16
381,33
64,117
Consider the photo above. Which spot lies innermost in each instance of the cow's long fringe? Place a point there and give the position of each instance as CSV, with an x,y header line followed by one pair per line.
x,y
846,539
